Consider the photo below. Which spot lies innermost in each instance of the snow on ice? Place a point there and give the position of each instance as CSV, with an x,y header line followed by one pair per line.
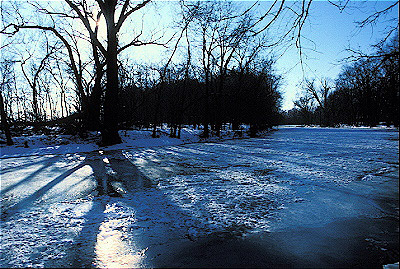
x,y
131,205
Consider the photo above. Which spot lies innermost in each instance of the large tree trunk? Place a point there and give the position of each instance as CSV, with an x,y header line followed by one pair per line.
x,y
109,131
4,122
35,106
218,104
206,115
93,117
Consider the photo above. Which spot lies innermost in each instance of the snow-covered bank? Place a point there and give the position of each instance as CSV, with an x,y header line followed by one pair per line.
x,y
30,145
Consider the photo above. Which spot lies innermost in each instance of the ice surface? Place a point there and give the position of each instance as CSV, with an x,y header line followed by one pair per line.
x,y
66,209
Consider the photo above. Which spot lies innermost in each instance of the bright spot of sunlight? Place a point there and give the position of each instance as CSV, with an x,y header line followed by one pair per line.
x,y
140,161
100,24
114,248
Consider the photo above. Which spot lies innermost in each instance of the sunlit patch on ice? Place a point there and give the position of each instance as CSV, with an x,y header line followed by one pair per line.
x,y
114,248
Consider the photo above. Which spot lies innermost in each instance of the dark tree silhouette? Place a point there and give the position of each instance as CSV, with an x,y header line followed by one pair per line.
x,y
6,69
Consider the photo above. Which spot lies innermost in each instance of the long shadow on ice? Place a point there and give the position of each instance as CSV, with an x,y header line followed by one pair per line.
x,y
132,223
110,235
112,183
193,243
34,160
81,253
29,201
335,225
46,164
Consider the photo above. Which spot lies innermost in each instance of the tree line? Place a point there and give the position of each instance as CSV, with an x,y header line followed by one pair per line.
x,y
69,63
249,96
66,67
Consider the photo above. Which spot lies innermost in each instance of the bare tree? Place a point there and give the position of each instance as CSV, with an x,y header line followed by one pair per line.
x,y
6,69
32,77
305,105
372,19
108,8
115,13
226,28
246,57
320,95
74,63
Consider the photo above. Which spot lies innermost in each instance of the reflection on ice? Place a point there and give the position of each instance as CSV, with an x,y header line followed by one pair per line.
x,y
114,249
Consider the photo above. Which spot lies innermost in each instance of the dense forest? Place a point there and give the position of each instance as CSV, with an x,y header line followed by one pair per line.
x,y
241,97
69,64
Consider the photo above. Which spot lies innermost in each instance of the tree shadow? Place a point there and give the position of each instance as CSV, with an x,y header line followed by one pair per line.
x,y
46,164
158,227
28,201
115,177
194,243
30,163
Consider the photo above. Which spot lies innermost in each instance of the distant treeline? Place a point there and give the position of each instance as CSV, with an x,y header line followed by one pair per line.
x,y
366,92
79,66
241,97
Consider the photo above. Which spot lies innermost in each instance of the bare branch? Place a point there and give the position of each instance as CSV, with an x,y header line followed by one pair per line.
x,y
75,70
86,23
272,20
124,15
137,43
339,4
372,19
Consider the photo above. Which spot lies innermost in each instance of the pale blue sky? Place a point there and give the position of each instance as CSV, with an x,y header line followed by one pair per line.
x,y
332,32
328,30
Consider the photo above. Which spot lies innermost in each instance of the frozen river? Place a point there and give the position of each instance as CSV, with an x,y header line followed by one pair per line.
x,y
300,197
